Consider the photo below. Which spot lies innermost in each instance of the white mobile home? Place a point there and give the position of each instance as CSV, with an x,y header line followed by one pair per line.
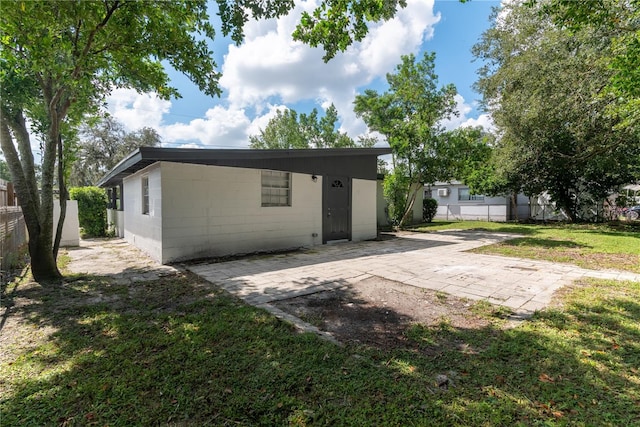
x,y
455,202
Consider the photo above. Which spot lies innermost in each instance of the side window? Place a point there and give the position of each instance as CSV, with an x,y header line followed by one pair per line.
x,y
115,198
465,196
276,188
145,195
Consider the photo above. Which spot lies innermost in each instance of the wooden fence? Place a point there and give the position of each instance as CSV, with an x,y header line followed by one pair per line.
x,y
13,238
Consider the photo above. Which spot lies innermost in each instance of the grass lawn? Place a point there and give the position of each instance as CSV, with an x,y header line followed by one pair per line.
x,y
178,352
587,245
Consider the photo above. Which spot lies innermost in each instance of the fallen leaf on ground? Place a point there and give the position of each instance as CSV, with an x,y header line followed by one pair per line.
x,y
546,378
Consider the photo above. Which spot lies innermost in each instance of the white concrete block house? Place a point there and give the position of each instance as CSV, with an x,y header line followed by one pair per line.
x,y
178,204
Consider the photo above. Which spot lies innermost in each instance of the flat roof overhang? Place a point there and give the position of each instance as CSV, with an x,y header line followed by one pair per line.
x,y
352,162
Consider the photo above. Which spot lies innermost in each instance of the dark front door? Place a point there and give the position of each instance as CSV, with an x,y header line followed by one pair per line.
x,y
336,207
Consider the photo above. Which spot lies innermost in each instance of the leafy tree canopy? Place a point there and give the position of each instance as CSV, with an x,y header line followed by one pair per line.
x,y
101,145
336,24
407,114
288,129
543,84
620,19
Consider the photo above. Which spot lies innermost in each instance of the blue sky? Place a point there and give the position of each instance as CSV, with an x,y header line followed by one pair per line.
x,y
269,72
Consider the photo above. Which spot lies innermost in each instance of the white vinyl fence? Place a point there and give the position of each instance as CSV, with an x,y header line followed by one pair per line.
x,y
480,212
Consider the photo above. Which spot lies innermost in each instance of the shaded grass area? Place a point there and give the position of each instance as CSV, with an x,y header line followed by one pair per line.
x,y
177,351
587,245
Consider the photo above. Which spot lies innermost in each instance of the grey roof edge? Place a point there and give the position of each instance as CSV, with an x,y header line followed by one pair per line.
x,y
133,158
150,155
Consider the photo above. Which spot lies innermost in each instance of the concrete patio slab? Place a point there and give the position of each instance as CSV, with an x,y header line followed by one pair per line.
x,y
435,261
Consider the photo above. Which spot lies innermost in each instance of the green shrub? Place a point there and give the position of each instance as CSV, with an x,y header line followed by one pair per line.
x,y
429,209
92,210
395,187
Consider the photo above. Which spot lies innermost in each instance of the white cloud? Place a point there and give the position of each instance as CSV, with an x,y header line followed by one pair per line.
x,y
462,119
484,120
260,122
505,10
455,121
221,127
190,145
136,110
270,69
269,64
380,51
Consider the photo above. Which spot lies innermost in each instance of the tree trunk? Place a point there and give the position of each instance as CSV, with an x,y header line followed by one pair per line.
x,y
43,265
514,205
408,210
567,206
63,196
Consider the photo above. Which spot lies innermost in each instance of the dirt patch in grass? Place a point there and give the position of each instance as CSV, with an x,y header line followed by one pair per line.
x,y
380,313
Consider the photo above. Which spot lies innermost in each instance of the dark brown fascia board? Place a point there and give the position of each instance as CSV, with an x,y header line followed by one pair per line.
x,y
145,156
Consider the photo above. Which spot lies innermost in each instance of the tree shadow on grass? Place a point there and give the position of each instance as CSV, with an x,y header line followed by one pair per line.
x,y
177,351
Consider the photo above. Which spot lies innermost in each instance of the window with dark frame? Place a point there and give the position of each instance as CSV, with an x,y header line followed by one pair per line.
x,y
145,195
115,198
465,196
276,188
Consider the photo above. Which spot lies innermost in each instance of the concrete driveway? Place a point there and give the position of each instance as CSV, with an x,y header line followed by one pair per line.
x,y
437,261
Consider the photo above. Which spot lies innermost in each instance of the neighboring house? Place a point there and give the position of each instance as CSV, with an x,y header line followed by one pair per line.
x,y
455,201
383,206
178,204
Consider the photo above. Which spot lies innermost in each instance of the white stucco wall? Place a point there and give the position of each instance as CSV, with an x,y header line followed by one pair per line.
x,y
214,210
417,207
206,211
144,231
115,221
363,212
71,226
381,205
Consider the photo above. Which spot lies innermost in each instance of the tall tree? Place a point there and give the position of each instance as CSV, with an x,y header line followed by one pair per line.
x,y
543,85
620,19
407,114
290,130
59,56
464,151
101,145
282,132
